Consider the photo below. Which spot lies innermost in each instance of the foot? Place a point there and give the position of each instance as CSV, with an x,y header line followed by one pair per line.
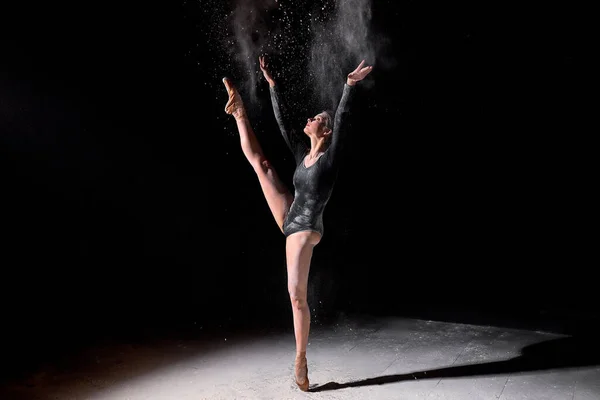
x,y
234,106
301,372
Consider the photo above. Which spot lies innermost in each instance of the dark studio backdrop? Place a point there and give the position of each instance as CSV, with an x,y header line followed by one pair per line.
x,y
128,206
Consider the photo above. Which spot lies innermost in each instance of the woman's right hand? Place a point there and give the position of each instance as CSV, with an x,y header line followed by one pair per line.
x,y
265,71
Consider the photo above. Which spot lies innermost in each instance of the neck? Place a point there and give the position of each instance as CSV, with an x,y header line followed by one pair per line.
x,y
317,146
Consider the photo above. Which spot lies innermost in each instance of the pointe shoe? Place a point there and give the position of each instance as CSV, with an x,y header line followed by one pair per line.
x,y
301,373
235,105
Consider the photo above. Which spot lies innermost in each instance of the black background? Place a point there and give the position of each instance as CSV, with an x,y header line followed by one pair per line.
x,y
128,207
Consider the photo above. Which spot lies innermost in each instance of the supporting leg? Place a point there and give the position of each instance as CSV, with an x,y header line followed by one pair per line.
x,y
299,250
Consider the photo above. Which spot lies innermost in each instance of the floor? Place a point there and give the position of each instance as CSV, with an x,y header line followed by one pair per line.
x,y
383,358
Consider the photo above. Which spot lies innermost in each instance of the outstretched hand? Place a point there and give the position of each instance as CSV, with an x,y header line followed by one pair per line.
x,y
265,70
359,73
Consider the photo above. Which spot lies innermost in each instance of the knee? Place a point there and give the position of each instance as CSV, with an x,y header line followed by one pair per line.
x,y
261,165
265,164
298,299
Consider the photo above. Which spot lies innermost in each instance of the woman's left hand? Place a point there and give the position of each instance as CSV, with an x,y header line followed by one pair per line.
x,y
359,73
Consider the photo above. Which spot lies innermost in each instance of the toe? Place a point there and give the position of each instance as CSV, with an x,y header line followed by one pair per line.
x,y
227,83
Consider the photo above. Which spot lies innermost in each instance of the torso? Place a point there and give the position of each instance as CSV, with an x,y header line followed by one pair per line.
x,y
313,182
308,163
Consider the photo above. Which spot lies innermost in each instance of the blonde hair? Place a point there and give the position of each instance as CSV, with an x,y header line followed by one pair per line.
x,y
327,119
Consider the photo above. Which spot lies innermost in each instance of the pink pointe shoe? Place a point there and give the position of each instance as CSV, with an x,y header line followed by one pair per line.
x,y
235,105
301,372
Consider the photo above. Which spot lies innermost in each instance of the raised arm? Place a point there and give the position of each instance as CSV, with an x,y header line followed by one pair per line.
x,y
340,120
293,141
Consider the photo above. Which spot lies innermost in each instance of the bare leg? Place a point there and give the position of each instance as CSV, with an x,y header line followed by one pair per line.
x,y
299,246
276,193
299,250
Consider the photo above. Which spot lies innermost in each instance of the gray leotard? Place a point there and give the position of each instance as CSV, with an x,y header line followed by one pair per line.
x,y
312,185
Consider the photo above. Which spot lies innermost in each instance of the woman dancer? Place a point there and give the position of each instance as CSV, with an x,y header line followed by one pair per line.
x,y
299,216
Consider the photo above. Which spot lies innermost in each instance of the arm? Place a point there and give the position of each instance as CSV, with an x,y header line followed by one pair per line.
x,y
294,143
340,121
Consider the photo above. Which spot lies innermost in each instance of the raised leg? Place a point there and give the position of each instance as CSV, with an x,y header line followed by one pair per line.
x,y
276,193
299,250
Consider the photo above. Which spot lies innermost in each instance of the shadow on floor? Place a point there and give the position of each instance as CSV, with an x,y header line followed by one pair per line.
x,y
567,352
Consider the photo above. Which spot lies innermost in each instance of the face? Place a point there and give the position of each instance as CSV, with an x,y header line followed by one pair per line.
x,y
316,126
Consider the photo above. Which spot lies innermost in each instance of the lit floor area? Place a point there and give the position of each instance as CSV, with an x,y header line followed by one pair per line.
x,y
386,358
